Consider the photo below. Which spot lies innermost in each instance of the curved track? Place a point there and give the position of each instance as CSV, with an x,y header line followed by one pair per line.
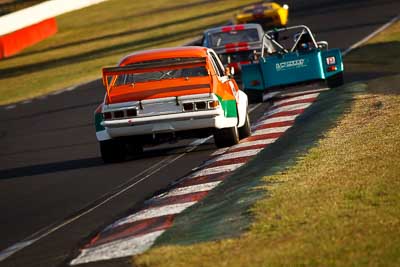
x,y
50,171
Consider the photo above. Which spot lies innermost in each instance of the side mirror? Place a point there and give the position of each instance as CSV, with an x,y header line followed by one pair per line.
x,y
322,45
229,71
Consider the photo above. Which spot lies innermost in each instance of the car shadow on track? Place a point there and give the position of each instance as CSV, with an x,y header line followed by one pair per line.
x,y
75,164
52,167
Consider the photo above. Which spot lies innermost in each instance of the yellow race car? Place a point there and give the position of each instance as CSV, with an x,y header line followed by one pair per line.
x,y
268,14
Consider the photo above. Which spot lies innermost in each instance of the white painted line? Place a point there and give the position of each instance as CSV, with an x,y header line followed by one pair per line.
x,y
256,142
293,107
281,94
58,92
271,95
117,249
305,92
220,151
152,213
234,155
373,34
296,98
254,107
188,190
241,154
277,119
26,101
14,248
215,170
271,130
71,88
198,142
10,107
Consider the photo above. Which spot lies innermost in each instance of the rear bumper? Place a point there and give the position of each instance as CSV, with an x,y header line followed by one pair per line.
x,y
171,123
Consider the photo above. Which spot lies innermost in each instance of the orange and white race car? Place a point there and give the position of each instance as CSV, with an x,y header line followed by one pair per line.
x,y
158,95
268,14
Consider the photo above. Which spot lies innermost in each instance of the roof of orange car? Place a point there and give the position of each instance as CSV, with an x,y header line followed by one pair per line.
x,y
173,52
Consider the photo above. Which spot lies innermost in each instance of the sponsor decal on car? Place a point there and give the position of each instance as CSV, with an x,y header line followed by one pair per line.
x,y
330,60
298,63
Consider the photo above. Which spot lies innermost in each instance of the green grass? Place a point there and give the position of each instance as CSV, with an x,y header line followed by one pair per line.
x,y
98,36
339,204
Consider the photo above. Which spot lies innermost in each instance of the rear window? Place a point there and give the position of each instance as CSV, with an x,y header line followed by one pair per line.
x,y
138,77
222,38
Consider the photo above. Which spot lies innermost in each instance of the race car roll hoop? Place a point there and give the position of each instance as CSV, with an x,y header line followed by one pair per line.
x,y
291,56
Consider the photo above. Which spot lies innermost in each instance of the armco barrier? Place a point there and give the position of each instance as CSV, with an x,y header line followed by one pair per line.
x,y
31,25
14,42
37,13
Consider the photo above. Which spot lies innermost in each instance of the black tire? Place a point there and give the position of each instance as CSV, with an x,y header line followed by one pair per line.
x,y
112,151
226,137
336,80
245,130
254,96
135,149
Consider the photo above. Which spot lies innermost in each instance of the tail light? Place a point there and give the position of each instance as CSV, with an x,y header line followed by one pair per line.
x,y
213,104
255,82
200,105
332,68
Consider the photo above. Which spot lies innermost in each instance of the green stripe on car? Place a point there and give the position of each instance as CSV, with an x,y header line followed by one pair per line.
x,y
98,119
229,107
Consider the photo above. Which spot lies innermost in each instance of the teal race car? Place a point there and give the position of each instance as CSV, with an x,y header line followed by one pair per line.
x,y
291,57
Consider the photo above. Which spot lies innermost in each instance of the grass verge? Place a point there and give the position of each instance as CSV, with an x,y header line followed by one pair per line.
x,y
339,204
100,35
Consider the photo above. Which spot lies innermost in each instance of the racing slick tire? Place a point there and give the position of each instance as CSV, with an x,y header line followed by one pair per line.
x,y
245,130
336,80
226,136
112,151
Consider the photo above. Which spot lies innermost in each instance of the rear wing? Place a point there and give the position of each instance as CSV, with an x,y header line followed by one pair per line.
x,y
154,64
147,66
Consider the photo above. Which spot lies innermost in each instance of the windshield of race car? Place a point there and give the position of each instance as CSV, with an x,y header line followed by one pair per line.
x,y
146,76
219,39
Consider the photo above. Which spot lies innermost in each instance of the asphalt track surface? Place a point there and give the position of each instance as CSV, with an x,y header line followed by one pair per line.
x,y
50,170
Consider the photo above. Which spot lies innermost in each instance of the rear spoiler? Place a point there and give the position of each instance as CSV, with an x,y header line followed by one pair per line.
x,y
148,65
163,63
